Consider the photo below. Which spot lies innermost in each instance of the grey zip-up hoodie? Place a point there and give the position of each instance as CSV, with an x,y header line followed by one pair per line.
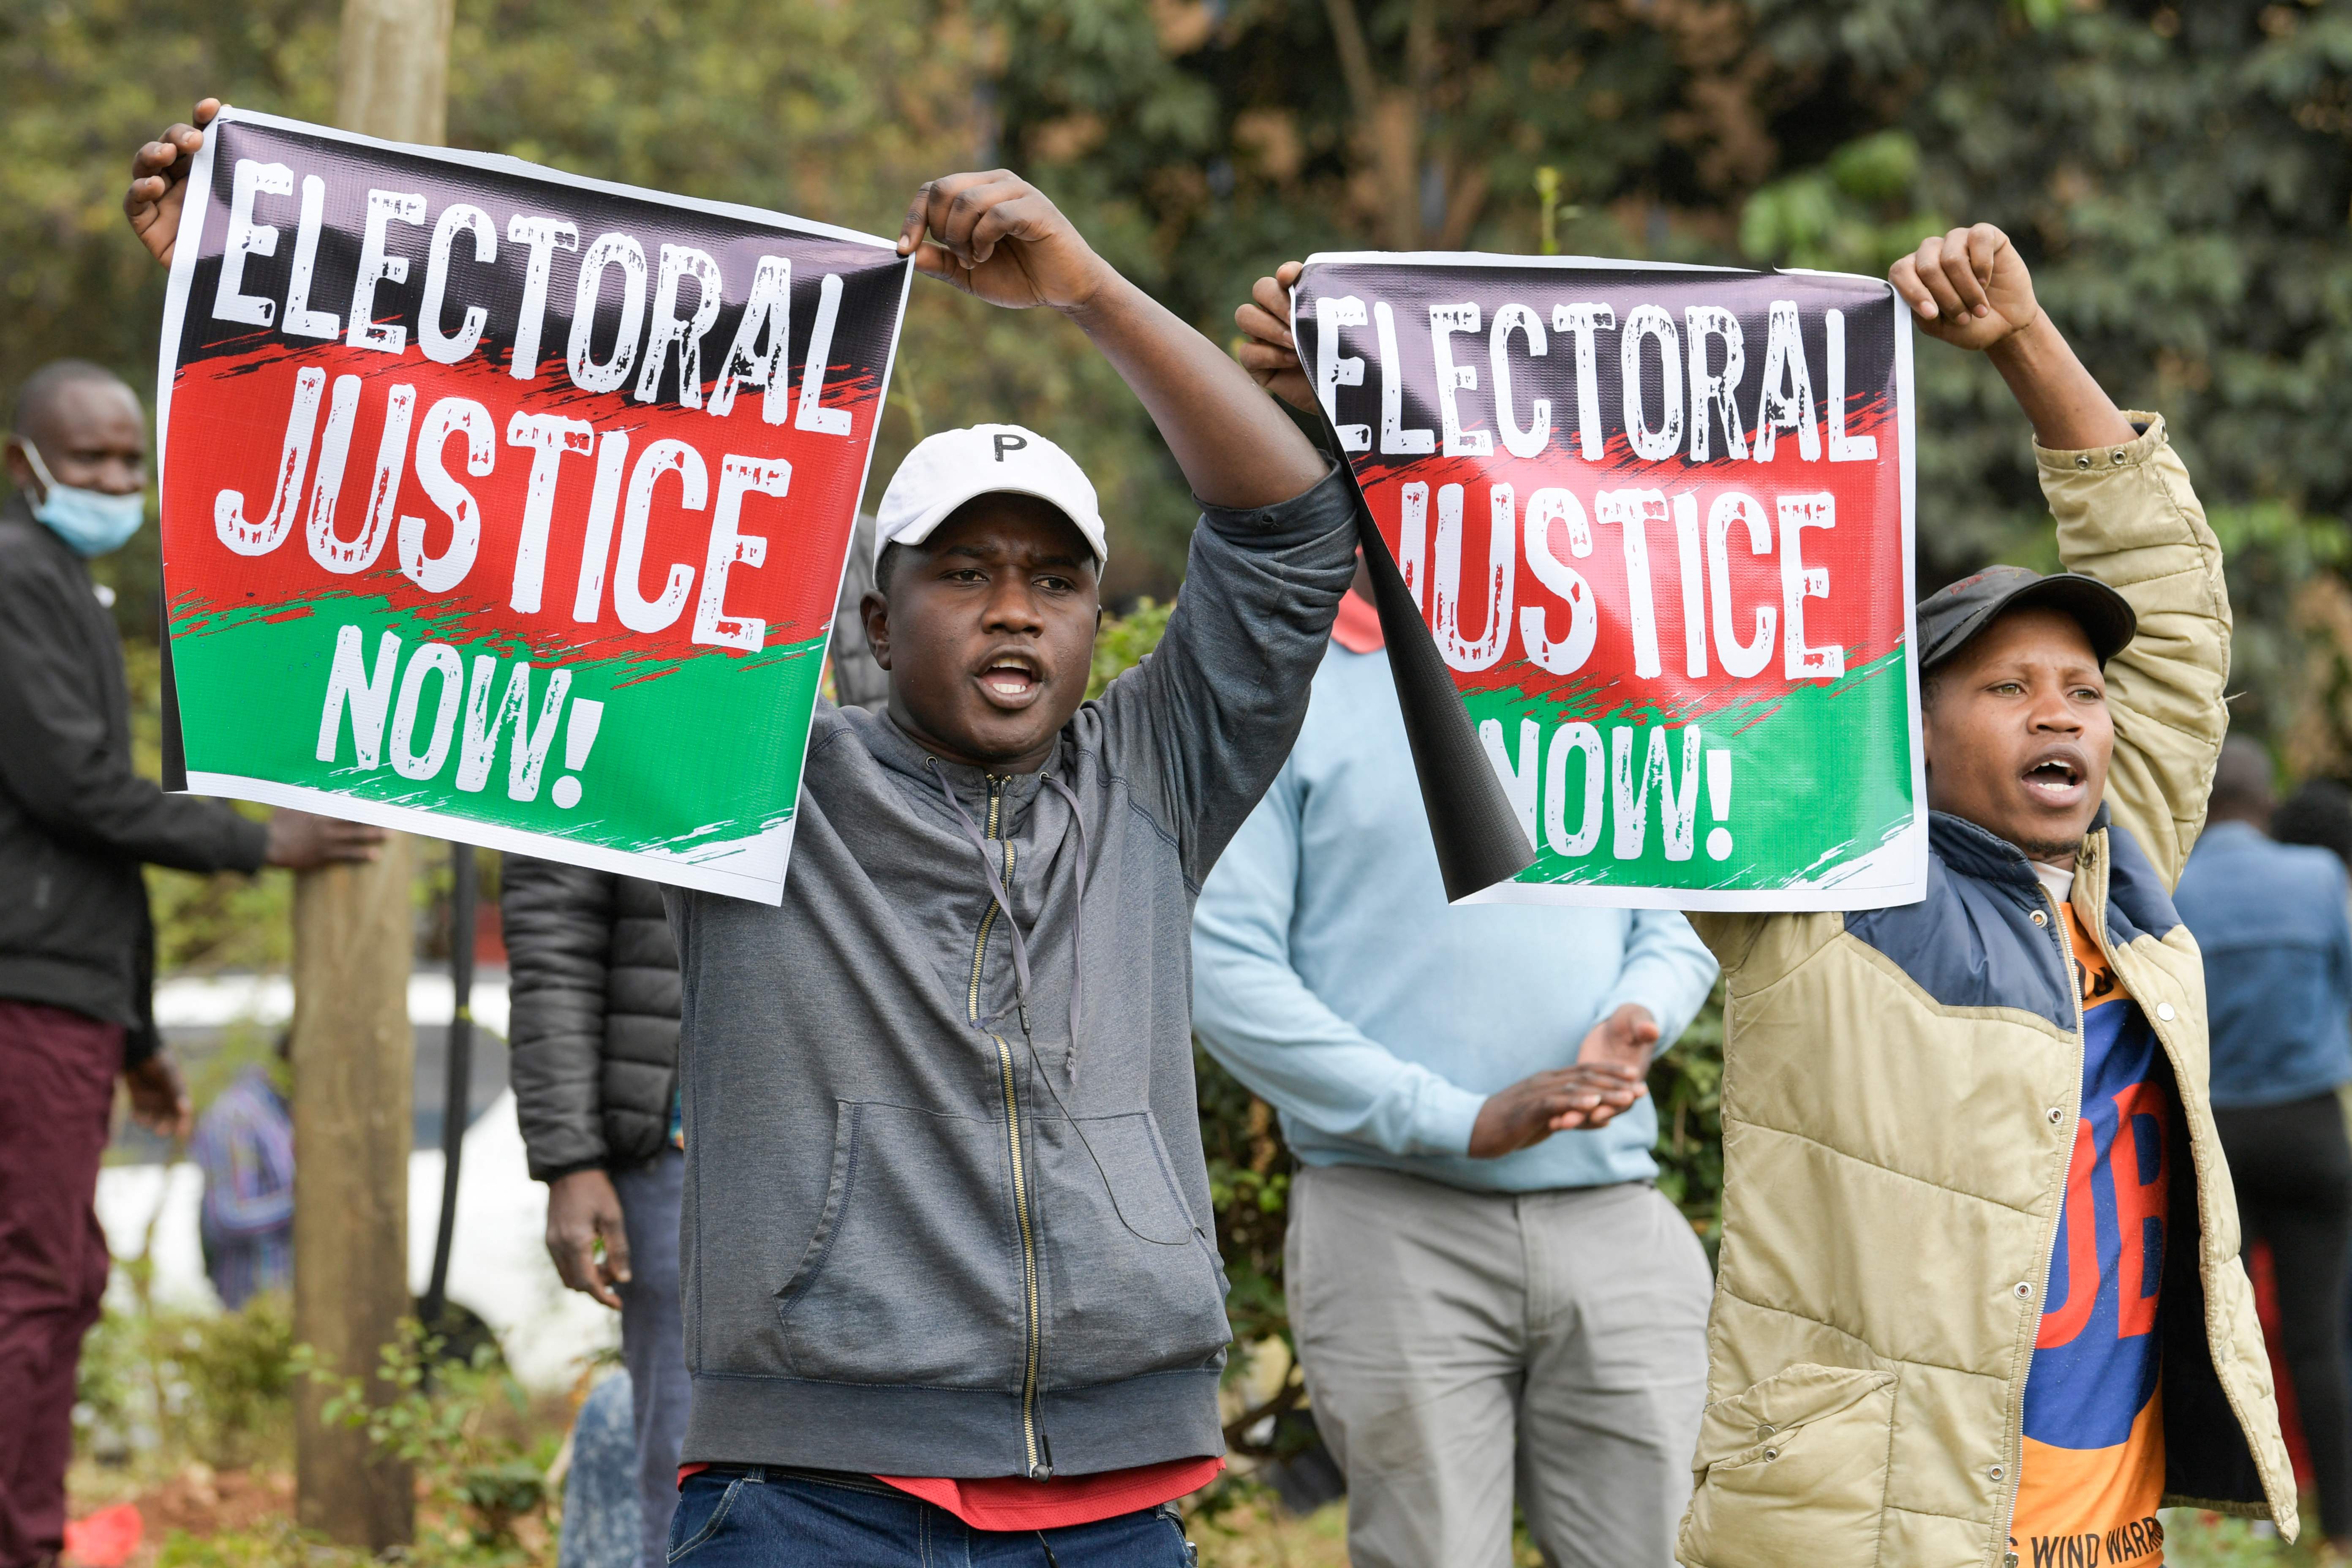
x,y
924,1234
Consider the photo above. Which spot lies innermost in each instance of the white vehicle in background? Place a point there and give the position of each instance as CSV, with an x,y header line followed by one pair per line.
x,y
498,1266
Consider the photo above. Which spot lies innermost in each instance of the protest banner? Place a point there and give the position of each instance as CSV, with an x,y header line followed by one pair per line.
x,y
1641,540
506,505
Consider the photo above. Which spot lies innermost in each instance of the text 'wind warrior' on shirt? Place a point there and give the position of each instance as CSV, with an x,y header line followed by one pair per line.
x,y
2092,1472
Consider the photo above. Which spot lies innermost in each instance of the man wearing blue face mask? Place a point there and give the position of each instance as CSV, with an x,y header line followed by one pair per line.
x,y
75,947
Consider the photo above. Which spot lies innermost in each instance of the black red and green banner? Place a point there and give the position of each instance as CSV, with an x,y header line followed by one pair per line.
x,y
506,505
1642,539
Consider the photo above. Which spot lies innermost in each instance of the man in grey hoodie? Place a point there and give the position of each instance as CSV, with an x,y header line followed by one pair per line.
x,y
949,1264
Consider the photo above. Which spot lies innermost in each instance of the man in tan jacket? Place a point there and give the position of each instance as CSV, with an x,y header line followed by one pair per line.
x,y
1979,1299
1978,1302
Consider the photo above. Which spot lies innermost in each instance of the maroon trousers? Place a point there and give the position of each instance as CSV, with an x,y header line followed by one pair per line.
x,y
57,1091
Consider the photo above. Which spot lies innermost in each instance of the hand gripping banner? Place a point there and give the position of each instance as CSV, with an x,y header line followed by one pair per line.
x,y
1641,540
505,505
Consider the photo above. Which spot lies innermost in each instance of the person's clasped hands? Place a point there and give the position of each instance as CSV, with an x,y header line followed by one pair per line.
x,y
1610,1073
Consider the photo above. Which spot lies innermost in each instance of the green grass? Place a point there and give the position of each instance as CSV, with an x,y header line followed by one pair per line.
x,y
2194,1539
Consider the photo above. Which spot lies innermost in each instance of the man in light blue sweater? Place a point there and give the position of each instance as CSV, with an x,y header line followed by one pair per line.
x,y
1483,1303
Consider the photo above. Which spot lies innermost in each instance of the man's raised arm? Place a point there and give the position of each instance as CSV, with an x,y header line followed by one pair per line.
x,y
1237,450
2126,515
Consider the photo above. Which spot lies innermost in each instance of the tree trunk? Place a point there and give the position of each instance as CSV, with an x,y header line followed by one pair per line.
x,y
353,938
396,70
353,1067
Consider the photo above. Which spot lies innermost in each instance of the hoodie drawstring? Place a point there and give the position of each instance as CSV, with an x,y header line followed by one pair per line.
x,y
1077,923
1012,926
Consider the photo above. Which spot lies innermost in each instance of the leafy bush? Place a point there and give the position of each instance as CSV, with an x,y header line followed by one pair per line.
x,y
458,1424
175,1385
1687,1082
1123,641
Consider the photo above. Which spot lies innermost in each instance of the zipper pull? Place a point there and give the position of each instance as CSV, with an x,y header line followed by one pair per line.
x,y
1043,1469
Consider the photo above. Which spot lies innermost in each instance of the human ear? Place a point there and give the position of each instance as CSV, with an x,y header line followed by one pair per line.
x,y
20,471
874,615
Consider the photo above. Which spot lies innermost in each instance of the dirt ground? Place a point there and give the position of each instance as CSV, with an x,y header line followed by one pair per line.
x,y
199,1500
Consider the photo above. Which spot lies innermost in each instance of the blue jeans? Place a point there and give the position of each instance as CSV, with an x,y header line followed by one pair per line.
x,y
653,1338
754,1517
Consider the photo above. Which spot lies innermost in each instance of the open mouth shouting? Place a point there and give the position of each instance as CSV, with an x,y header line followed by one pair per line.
x,y
1011,677
2058,777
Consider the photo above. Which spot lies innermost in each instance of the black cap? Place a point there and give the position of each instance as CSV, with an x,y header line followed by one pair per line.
x,y
1950,616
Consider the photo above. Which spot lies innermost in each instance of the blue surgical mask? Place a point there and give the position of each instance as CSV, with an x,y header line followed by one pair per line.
x,y
91,523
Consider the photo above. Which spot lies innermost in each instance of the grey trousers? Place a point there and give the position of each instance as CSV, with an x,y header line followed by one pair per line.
x,y
653,1340
1460,1347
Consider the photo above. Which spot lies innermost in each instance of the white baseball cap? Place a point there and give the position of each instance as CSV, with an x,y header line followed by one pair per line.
x,y
950,468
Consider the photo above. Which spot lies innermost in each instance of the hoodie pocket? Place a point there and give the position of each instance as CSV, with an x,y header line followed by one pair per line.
x,y
1793,1470
913,1275
1131,1287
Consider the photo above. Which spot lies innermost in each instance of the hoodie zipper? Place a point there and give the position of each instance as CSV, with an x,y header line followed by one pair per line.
x,y
1037,1468
2015,1444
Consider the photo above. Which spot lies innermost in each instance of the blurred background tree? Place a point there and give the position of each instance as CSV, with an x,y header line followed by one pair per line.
x,y
2177,175
2174,172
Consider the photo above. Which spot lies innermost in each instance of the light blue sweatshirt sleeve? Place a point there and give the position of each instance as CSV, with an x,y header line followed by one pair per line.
x,y
1667,970
1259,1018
2339,948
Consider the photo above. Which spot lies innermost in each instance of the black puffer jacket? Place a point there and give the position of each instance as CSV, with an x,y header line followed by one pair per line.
x,y
593,972
594,1013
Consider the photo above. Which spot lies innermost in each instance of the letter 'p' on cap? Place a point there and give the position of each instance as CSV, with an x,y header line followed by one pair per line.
x,y
950,468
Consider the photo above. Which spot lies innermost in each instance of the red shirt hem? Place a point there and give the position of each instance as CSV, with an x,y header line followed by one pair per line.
x,y
1015,1502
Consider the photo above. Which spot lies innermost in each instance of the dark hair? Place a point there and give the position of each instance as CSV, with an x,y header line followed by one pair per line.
x,y
885,565
2319,813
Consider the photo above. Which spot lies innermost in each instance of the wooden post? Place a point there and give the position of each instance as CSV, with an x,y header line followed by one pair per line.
x,y
396,70
355,1057
353,1070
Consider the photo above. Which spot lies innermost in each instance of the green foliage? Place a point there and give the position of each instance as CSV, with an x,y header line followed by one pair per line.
x,y
830,111
276,1546
1123,640
1250,1169
1854,214
455,1422
280,1544
1687,1083
2195,1539
2175,175
165,1385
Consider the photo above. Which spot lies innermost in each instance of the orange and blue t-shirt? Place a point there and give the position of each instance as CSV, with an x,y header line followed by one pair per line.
x,y
2093,1469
